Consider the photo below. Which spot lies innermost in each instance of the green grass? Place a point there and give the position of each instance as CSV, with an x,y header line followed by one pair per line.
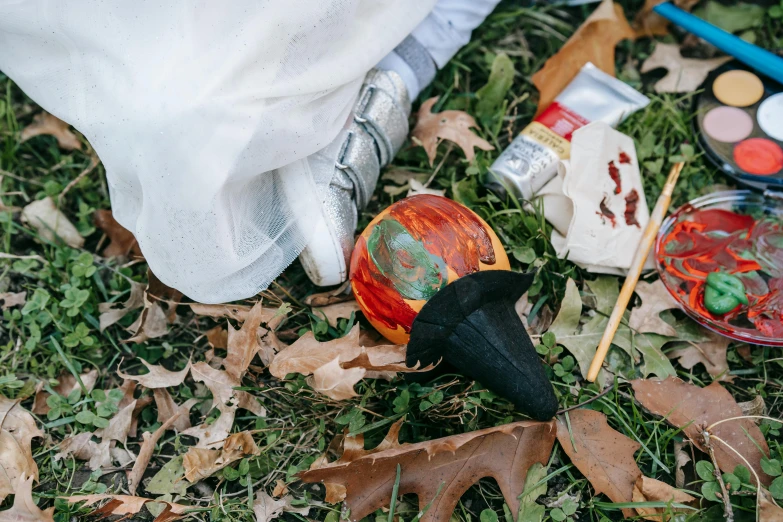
x,y
46,340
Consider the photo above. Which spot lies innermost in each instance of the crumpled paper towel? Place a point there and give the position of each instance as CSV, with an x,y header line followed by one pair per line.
x,y
572,202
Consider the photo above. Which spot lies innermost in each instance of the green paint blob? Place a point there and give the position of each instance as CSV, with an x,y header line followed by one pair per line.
x,y
414,272
723,293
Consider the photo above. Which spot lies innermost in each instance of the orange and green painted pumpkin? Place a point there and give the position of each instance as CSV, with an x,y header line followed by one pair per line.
x,y
411,250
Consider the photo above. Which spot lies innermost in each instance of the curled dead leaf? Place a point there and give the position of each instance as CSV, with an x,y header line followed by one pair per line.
x,y
46,124
450,125
647,489
110,314
167,408
121,240
604,456
267,508
242,344
593,42
200,463
129,505
338,295
17,430
50,222
437,471
693,409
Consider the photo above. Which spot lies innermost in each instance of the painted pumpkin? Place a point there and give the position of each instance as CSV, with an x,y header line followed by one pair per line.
x,y
413,249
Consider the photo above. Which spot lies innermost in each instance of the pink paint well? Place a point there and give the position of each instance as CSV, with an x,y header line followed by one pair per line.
x,y
728,124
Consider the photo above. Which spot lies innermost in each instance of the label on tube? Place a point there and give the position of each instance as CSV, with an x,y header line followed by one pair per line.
x,y
530,161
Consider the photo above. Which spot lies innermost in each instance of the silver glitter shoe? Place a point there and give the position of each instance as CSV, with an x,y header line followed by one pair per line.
x,y
369,142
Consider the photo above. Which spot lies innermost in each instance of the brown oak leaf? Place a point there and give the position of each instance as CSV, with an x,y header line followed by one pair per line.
x,y
24,508
46,124
603,455
129,505
217,337
336,366
437,471
158,376
684,74
110,314
648,23
450,125
655,299
267,508
693,409
168,408
711,353
200,463
121,240
337,295
768,510
242,344
17,429
647,489
593,42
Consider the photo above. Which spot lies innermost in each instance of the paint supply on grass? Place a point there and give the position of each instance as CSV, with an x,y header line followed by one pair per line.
x,y
721,258
530,161
740,125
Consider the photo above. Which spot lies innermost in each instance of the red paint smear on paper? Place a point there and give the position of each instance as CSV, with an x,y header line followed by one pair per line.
x,y
382,301
606,212
624,158
759,156
614,173
447,230
631,202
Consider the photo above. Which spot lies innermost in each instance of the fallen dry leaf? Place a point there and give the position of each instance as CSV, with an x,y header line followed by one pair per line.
x,y
200,463
753,407
437,471
129,505
768,510
151,324
684,74
24,508
682,459
49,222
167,408
744,352
647,489
158,376
242,344
121,240
267,508
337,295
46,124
711,353
648,23
11,299
82,447
450,125
160,292
338,365
17,429
693,409
119,425
217,337
417,187
603,455
593,42
219,311
145,453
336,311
110,314
655,299
281,488
226,400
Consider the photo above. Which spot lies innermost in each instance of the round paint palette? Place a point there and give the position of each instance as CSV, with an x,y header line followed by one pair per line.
x,y
740,125
739,232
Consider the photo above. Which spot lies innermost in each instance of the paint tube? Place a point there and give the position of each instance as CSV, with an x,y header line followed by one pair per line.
x,y
530,161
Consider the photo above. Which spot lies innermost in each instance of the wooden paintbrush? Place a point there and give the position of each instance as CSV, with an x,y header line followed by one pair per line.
x,y
650,232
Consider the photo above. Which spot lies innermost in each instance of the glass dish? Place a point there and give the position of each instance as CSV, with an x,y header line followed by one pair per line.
x,y
738,232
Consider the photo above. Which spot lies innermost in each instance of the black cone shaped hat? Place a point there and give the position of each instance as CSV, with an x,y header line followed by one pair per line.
x,y
472,325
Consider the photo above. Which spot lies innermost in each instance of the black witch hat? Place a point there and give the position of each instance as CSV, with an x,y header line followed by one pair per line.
x,y
471,324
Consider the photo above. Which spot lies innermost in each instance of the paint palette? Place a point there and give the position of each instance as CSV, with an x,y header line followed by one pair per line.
x,y
740,125
739,232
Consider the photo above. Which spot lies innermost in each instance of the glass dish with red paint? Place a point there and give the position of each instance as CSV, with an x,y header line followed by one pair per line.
x,y
738,232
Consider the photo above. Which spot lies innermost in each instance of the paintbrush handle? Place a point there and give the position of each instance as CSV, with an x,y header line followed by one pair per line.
x,y
637,265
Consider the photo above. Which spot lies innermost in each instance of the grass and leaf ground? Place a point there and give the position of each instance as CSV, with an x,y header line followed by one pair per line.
x,y
57,333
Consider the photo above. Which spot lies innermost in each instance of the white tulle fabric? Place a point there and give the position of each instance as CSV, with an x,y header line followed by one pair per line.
x,y
204,114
